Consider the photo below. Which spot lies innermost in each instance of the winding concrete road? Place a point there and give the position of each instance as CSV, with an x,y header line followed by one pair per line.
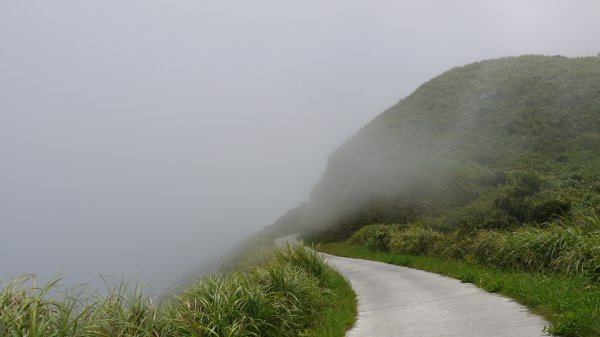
x,y
397,301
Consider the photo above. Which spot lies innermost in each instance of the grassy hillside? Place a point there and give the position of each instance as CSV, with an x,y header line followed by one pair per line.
x,y
494,144
293,293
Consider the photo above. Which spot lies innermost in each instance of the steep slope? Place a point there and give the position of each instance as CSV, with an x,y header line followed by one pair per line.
x,y
492,144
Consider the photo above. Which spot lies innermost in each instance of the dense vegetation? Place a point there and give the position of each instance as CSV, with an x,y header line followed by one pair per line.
x,y
571,249
294,293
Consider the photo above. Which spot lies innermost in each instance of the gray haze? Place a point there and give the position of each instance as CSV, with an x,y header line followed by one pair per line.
x,y
141,138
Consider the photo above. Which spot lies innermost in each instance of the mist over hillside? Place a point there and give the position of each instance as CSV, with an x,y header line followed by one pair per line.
x,y
495,143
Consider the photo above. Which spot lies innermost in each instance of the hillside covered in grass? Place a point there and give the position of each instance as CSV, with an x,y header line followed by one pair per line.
x,y
292,293
494,144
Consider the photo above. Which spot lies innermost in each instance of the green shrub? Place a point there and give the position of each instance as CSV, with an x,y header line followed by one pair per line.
x,y
485,246
417,241
548,209
374,237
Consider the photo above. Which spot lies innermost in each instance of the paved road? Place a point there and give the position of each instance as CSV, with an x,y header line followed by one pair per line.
x,y
398,301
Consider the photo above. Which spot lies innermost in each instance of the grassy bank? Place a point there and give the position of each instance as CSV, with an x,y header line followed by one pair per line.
x,y
555,247
570,303
295,293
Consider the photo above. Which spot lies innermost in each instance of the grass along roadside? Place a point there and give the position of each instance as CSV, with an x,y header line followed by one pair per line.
x,y
294,293
570,303
339,315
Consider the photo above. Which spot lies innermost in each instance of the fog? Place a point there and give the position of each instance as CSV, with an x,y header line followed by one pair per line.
x,y
142,138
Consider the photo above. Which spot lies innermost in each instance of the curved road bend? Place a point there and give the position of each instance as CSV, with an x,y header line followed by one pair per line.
x,y
399,301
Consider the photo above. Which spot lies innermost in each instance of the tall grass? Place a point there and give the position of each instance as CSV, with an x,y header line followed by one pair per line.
x,y
124,310
561,246
285,296
557,248
27,310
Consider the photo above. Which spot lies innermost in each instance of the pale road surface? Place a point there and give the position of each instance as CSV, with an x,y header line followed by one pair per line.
x,y
399,301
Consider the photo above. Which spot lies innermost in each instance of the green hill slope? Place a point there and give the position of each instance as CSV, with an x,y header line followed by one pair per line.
x,y
493,144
